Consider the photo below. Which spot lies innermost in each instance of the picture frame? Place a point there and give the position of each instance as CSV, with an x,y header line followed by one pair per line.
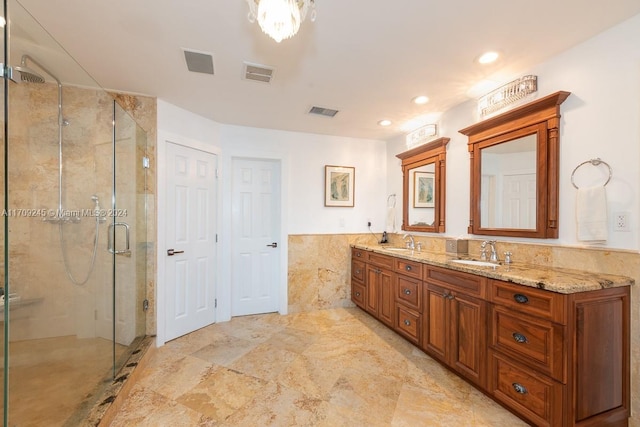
x,y
424,190
339,186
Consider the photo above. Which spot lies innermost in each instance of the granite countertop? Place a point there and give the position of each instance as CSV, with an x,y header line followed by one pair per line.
x,y
561,280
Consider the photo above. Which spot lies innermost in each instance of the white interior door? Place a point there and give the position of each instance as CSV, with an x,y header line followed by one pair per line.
x,y
519,203
255,231
190,239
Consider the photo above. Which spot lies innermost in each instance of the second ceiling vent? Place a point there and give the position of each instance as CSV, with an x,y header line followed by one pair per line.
x,y
321,111
258,73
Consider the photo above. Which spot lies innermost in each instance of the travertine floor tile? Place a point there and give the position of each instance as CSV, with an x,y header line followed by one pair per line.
x,y
330,368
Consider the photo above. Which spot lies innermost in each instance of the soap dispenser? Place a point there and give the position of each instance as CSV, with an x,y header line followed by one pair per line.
x,y
384,237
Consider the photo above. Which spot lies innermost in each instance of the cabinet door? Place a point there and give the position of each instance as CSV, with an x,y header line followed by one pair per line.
x,y
373,290
468,317
386,308
435,328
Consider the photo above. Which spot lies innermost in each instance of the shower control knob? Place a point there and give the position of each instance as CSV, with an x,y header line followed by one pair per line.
x,y
171,252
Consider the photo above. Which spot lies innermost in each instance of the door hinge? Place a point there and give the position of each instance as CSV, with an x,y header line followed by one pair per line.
x,y
217,175
216,237
215,303
146,163
145,305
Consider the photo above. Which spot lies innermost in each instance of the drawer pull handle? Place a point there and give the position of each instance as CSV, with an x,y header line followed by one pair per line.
x,y
407,292
407,322
519,338
521,299
408,268
519,388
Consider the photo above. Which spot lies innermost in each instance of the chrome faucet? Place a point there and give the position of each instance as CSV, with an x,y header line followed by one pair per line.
x,y
493,257
411,244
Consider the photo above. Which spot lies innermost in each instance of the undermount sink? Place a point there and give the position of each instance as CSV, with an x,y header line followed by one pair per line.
x,y
397,249
474,262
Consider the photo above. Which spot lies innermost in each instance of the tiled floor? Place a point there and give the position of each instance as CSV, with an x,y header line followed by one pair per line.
x,y
332,368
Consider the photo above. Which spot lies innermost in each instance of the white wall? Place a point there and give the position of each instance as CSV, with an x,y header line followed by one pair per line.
x,y
308,154
601,118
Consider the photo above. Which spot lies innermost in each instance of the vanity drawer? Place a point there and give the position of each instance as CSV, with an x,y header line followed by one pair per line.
x,y
357,270
408,291
536,342
465,282
380,260
357,294
359,254
408,324
536,397
409,268
536,302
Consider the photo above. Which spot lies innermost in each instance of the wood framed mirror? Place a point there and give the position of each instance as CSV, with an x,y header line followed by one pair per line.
x,y
423,188
515,171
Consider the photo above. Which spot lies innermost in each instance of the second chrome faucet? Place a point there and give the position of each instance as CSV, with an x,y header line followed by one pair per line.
x,y
493,257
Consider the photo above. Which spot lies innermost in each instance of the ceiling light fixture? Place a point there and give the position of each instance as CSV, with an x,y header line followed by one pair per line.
x,y
488,57
385,122
422,99
507,94
280,19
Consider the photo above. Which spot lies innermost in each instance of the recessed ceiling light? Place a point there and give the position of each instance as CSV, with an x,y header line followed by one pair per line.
x,y
488,57
385,122
422,99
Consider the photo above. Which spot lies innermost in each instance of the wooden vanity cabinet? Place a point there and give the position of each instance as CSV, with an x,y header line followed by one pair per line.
x,y
454,321
560,359
553,359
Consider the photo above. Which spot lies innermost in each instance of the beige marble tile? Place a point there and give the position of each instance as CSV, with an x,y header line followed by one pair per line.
x,y
225,350
310,376
265,361
212,397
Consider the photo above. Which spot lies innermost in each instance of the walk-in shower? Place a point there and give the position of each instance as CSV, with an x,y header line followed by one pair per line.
x,y
62,216
71,171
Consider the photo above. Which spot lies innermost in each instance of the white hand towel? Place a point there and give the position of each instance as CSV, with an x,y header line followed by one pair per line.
x,y
391,220
591,214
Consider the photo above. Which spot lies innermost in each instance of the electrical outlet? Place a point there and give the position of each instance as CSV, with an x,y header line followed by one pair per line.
x,y
368,223
621,221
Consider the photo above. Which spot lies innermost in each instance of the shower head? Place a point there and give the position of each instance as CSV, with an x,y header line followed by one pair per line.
x,y
28,75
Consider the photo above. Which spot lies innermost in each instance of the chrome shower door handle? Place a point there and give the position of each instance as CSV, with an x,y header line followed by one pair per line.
x,y
111,233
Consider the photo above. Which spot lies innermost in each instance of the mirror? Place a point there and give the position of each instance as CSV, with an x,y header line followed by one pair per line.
x,y
514,171
423,174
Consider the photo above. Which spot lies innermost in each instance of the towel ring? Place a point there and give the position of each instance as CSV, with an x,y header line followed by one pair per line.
x,y
594,162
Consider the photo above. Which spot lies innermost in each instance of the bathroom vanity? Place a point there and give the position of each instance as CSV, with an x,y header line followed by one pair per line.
x,y
550,345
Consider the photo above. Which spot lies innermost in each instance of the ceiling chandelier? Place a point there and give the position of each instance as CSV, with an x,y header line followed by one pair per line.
x,y
280,19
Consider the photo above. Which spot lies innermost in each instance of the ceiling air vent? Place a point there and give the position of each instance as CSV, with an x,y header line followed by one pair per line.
x,y
258,73
327,112
198,62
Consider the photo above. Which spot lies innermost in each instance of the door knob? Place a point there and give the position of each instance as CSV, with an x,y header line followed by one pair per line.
x,y
171,252
273,245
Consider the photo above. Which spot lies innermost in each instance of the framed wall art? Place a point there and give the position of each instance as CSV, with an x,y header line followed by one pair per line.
x,y
423,190
339,186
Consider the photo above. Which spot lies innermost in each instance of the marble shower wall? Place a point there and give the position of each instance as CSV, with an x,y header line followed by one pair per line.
x,y
37,272
320,270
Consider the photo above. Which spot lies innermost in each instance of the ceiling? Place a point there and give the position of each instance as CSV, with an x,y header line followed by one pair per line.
x,y
365,58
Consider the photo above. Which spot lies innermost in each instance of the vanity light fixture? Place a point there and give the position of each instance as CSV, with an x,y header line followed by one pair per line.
x,y
507,94
420,135
280,19
422,99
385,122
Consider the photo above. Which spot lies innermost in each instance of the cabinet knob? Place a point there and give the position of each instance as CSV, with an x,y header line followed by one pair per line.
x,y
357,271
519,388
407,322
521,299
358,254
408,268
450,296
407,291
357,294
519,338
